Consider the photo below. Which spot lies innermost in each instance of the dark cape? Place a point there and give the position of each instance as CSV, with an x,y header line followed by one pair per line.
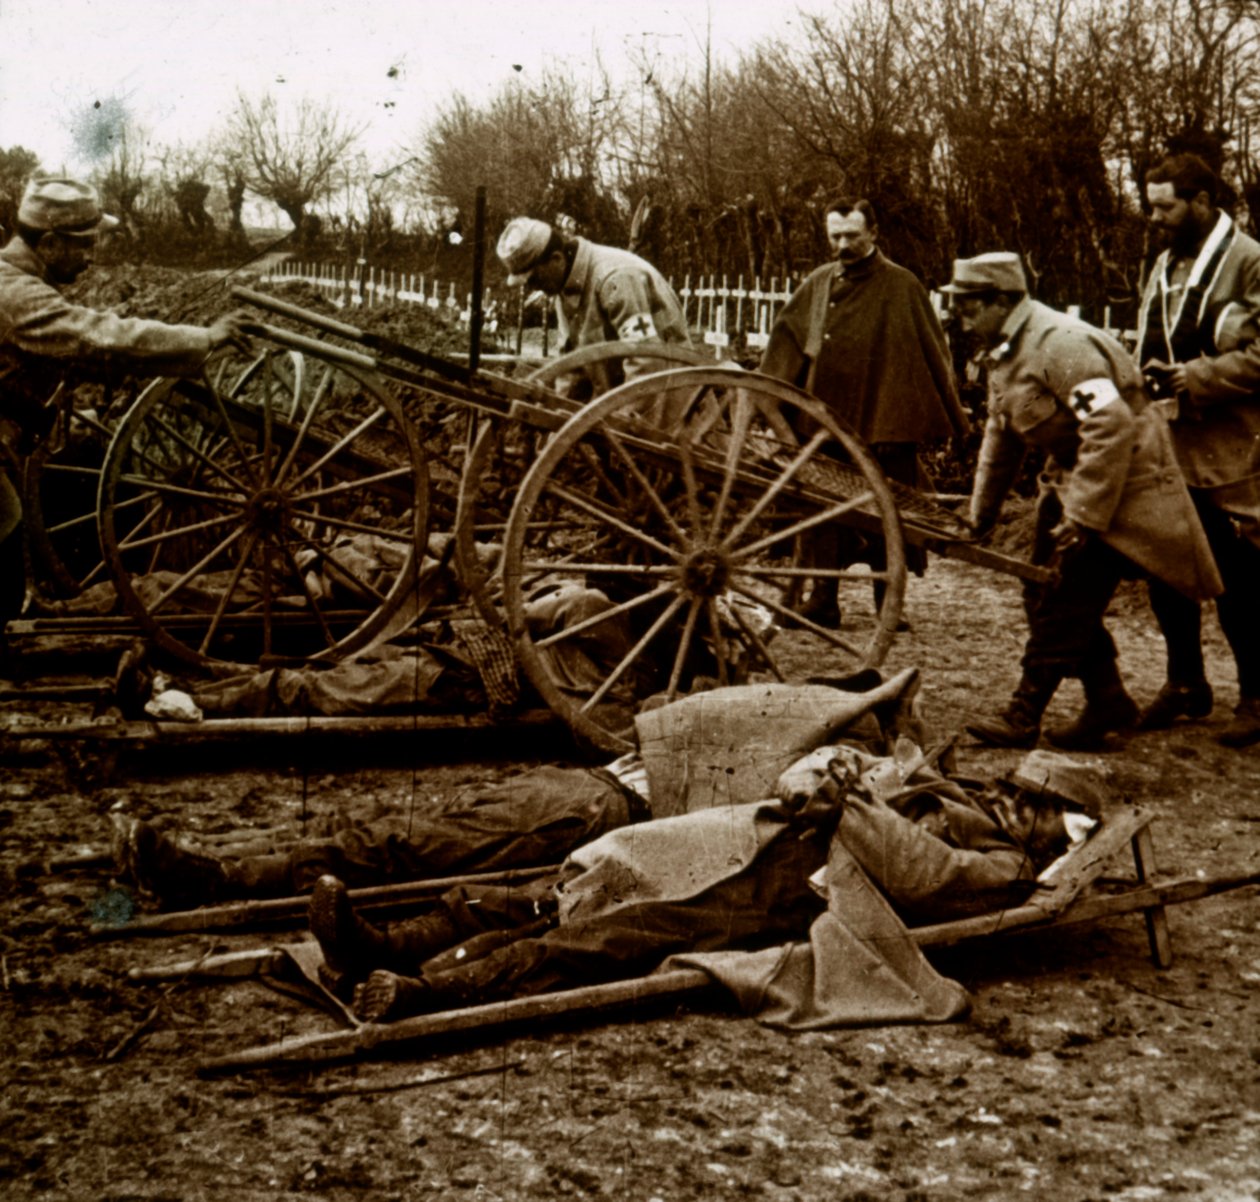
x,y
883,365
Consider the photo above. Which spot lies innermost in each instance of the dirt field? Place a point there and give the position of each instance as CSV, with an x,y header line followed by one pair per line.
x,y
1082,1072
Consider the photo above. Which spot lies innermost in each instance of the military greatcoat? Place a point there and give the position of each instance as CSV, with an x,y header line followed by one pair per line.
x,y
1066,388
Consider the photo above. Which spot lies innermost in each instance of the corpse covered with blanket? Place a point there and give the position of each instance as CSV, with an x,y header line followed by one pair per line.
x,y
797,902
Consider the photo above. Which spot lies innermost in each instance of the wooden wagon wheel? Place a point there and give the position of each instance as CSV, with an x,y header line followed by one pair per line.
x,y
502,452
652,545
235,534
61,477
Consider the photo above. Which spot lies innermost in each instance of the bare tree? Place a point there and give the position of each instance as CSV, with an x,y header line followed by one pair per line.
x,y
17,165
289,157
539,148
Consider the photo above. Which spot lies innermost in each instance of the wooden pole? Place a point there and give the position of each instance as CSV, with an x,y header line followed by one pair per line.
x,y
235,915
590,999
678,983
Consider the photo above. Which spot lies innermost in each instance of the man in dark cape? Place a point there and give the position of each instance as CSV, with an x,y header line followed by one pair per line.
x,y
861,335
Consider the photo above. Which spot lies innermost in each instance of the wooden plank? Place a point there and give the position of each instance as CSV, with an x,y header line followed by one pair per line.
x,y
1074,873
1157,932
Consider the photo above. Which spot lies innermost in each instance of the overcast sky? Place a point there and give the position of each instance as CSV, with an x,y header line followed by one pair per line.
x,y
177,64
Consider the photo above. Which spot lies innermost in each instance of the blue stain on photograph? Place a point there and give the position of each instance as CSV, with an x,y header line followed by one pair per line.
x,y
113,909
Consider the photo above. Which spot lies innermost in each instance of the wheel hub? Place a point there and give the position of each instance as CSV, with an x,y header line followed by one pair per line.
x,y
268,510
705,573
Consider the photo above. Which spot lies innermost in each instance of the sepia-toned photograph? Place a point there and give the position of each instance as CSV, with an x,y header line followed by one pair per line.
x,y
654,602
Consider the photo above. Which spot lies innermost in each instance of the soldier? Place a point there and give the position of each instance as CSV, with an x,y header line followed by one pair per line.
x,y
1112,503
58,223
602,294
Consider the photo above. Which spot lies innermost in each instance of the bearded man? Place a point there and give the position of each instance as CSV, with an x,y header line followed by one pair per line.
x,y
1199,347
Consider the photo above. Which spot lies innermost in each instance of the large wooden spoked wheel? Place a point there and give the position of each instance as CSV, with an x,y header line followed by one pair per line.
x,y
61,478
651,549
234,533
502,452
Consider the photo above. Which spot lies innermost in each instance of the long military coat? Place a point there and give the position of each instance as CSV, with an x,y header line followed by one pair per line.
x,y
1064,387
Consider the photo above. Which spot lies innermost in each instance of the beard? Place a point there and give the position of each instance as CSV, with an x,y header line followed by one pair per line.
x,y
1185,240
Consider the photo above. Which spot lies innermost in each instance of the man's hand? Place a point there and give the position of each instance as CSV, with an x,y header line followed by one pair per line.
x,y
1068,536
229,329
1165,379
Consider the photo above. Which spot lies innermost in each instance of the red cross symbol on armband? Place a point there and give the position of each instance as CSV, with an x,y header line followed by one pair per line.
x,y
639,327
1082,403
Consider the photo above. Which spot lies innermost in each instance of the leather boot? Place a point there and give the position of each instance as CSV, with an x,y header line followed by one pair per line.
x,y
1108,709
1244,729
354,947
160,864
1175,701
1019,725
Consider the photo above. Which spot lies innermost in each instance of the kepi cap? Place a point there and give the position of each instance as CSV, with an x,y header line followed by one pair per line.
x,y
523,242
63,205
1048,774
997,271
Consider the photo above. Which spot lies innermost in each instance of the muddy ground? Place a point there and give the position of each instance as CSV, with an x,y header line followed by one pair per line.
x,y
1082,1072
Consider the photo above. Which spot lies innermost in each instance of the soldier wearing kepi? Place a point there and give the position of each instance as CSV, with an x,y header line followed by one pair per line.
x,y
602,293
1199,340
1112,504
41,333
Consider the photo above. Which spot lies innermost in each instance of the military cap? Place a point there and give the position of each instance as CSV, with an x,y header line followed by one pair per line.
x,y
1048,774
63,205
523,242
997,271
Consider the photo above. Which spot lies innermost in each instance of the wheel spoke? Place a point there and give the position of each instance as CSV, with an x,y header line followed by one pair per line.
x,y
719,639
739,433
327,519
174,532
340,445
160,487
599,567
795,619
330,639
226,423
684,646
69,469
610,519
269,381
346,486
816,519
803,456
70,523
341,572
603,616
689,482
756,640
321,391
597,468
774,572
633,654
644,483
195,570
199,454
226,596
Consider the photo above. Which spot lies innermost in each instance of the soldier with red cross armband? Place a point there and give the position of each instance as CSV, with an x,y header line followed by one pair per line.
x,y
1112,502
602,294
